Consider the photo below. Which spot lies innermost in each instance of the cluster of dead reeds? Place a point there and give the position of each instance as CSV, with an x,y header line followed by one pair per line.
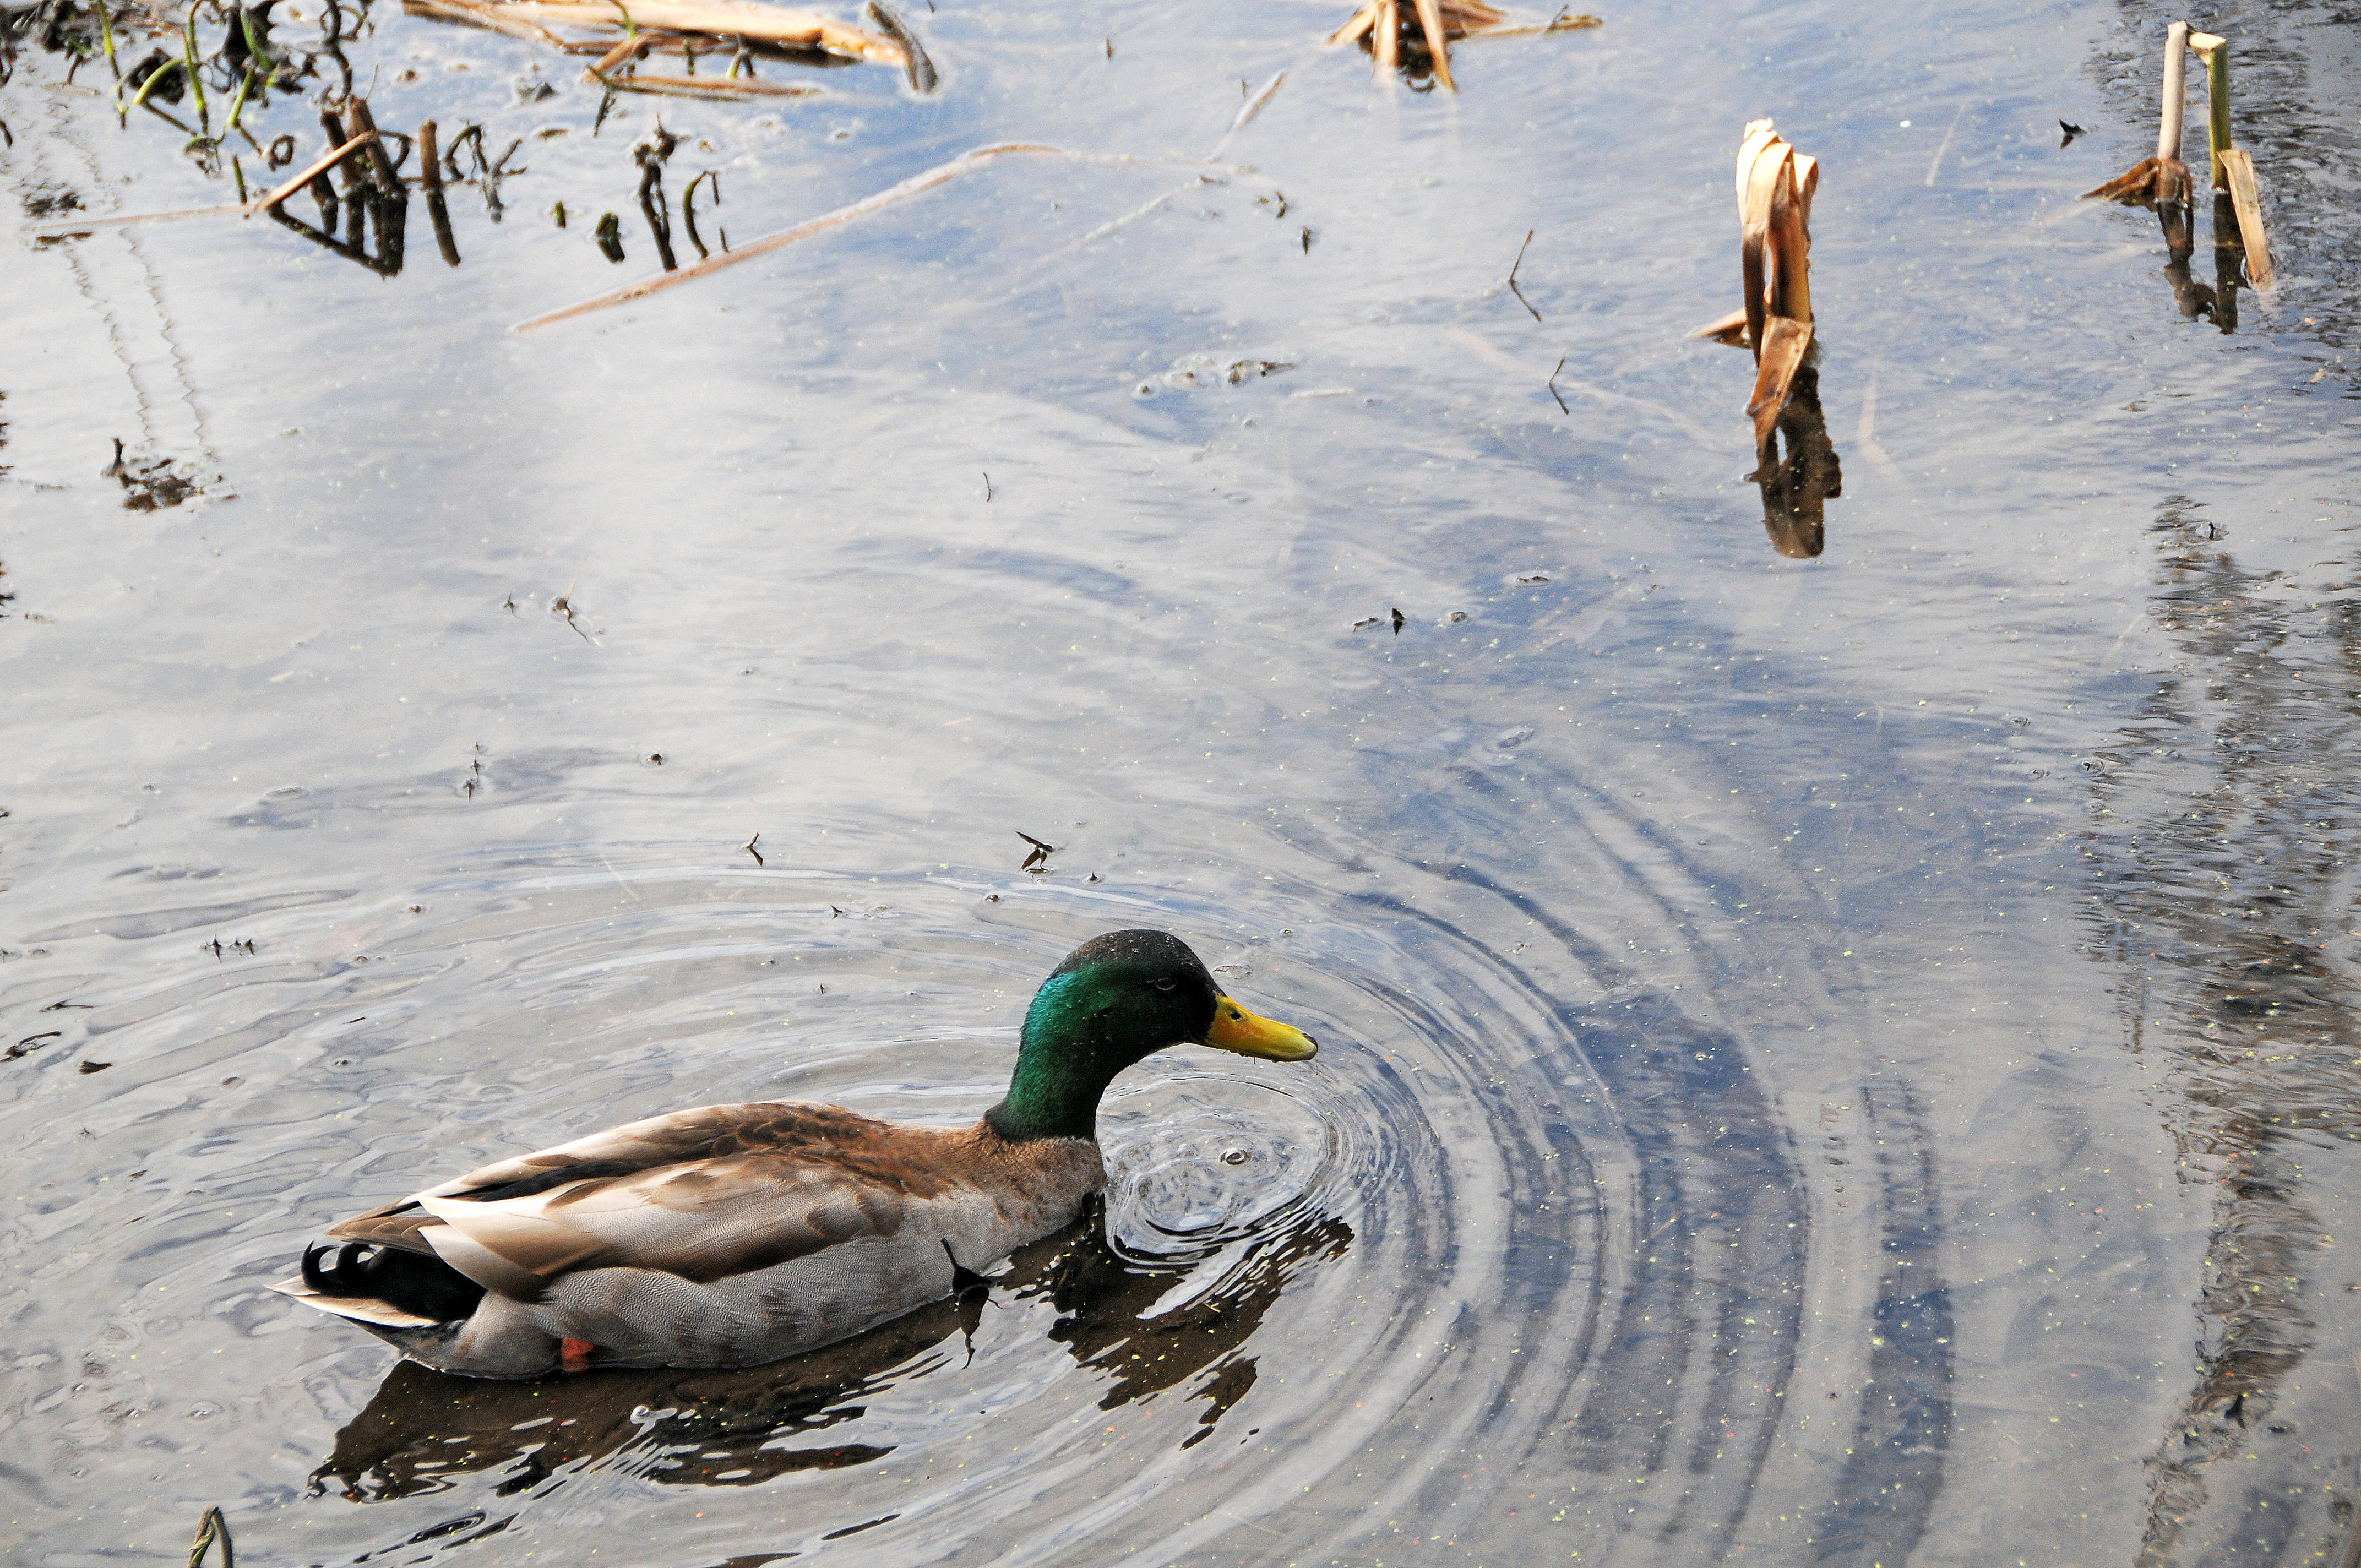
x,y
1401,34
2164,182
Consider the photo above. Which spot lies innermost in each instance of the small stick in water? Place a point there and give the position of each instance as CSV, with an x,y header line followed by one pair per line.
x,y
1520,293
438,211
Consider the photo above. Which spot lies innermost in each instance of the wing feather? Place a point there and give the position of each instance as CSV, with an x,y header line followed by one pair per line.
x,y
703,1193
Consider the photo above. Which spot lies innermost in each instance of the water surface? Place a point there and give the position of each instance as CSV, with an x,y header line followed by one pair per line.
x,y
1837,1059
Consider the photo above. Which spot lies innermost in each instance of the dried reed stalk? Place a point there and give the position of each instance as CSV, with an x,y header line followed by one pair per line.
x,y
656,24
2162,181
720,89
718,18
2246,200
2232,170
1776,187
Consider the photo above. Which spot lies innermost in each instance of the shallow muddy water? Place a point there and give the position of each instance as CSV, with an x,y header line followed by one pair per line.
x,y
1847,1060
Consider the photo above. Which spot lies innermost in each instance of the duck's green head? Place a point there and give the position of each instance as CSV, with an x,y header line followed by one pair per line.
x,y
1113,1001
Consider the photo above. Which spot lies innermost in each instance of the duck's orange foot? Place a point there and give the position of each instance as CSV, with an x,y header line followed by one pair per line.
x,y
575,1354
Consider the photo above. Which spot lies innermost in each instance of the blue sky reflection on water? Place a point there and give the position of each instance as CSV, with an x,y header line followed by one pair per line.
x,y
1810,1048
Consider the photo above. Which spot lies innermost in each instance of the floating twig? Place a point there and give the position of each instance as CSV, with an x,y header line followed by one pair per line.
x,y
1520,293
438,212
924,180
749,849
1254,105
1555,393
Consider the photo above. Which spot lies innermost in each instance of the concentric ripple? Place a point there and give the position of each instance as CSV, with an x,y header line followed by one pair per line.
x,y
1524,1227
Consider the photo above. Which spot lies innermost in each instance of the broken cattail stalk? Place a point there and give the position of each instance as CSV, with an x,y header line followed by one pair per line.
x,y
2161,182
1776,187
1384,45
2247,200
2234,170
2212,50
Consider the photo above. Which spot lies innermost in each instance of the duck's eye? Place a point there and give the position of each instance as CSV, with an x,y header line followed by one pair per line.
x,y
1164,982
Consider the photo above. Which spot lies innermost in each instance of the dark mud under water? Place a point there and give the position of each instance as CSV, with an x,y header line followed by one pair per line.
x,y
1846,1060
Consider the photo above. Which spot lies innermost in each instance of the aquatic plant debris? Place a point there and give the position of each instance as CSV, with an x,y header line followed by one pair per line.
x,y
1775,186
1383,26
683,24
2233,168
2161,182
924,180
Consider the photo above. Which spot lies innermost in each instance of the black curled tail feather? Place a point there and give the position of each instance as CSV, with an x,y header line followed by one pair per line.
x,y
417,1283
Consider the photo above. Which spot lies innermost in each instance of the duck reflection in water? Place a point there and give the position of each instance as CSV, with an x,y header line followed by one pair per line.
x,y
1798,471
423,1429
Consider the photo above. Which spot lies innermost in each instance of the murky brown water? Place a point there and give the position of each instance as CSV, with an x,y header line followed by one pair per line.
x,y
1839,1060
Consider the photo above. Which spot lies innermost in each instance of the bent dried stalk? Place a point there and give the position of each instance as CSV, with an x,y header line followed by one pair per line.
x,y
1776,187
277,196
924,180
2234,170
2162,181
2247,200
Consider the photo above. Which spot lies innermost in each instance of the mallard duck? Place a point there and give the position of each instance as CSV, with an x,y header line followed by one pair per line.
x,y
730,1235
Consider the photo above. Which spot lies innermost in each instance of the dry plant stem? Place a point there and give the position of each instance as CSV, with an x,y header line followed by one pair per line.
x,y
1791,239
630,48
719,19
1782,356
1363,20
2176,91
1386,47
430,159
721,89
1775,186
1761,162
2172,174
1430,22
361,123
2214,51
1731,329
2239,170
924,180
309,172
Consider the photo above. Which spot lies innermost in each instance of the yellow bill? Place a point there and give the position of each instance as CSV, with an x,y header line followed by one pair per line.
x,y
1235,1029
